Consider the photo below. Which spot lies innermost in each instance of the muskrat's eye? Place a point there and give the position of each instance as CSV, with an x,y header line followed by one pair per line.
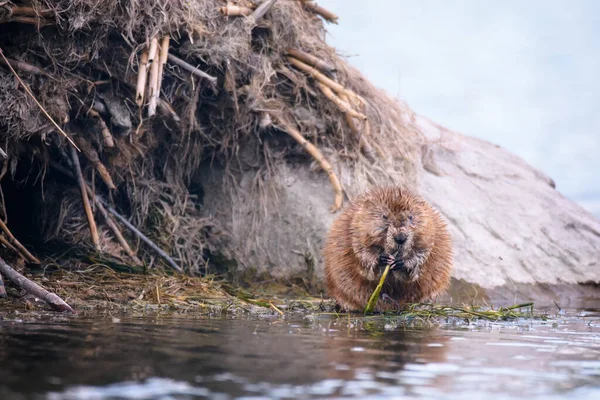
x,y
384,217
411,218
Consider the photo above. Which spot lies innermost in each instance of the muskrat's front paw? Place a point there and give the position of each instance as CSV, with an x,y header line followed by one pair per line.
x,y
386,259
397,263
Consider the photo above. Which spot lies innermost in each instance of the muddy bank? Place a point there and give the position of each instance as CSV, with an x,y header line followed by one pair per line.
x,y
99,290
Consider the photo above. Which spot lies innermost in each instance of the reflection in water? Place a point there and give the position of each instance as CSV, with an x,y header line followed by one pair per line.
x,y
178,357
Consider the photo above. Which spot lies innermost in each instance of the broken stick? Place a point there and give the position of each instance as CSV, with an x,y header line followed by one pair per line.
x,y
167,110
107,138
320,158
336,87
25,67
31,12
262,9
232,10
179,62
112,225
312,60
162,60
9,246
365,143
365,146
323,12
341,104
92,156
153,85
85,200
18,279
142,77
145,239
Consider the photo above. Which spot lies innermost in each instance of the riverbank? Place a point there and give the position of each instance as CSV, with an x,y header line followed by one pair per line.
x,y
98,289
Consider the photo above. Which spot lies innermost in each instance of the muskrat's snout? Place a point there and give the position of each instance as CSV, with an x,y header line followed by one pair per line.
x,y
400,238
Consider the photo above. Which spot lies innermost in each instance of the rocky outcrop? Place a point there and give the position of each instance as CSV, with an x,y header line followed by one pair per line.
x,y
516,237
514,233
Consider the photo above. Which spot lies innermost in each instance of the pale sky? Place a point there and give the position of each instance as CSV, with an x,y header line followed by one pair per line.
x,y
522,74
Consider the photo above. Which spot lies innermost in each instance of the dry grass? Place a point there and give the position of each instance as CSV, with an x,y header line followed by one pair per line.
x,y
87,56
95,287
429,315
99,288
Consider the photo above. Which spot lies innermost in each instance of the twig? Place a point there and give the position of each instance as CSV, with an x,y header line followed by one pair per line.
x,y
232,10
142,77
317,9
154,62
341,104
23,66
369,148
262,9
9,246
86,201
312,60
2,289
145,239
369,151
31,12
164,54
35,100
367,134
92,156
166,109
557,306
106,135
21,249
15,277
178,61
153,51
318,156
112,225
326,81
364,143
274,307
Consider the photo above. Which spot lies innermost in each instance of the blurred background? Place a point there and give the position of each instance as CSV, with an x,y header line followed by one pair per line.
x,y
520,74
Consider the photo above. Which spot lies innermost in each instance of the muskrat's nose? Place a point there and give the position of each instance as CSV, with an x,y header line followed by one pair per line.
x,y
400,238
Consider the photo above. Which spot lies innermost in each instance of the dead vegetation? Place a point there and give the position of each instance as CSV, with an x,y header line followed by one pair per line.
x,y
109,109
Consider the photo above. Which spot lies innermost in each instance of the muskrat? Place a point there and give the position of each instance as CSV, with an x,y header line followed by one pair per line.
x,y
387,225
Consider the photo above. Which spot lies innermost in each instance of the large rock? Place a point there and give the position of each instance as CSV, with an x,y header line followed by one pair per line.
x,y
516,237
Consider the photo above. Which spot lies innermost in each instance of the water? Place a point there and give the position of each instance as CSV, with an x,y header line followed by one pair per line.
x,y
175,357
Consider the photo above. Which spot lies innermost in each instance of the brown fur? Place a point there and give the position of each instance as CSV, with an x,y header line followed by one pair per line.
x,y
365,229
